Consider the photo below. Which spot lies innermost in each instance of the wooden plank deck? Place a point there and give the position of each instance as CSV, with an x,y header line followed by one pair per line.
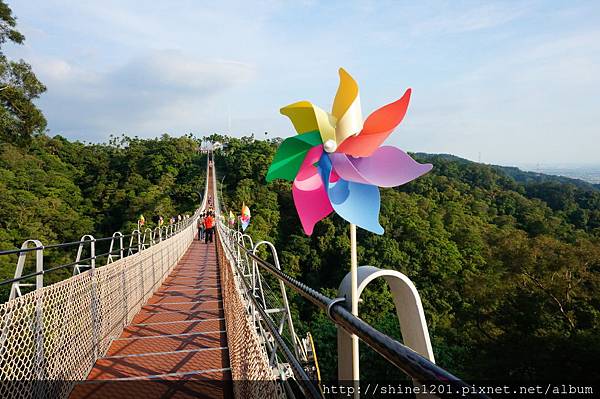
x,y
176,346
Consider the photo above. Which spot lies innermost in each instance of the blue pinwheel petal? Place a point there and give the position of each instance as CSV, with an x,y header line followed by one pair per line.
x,y
357,203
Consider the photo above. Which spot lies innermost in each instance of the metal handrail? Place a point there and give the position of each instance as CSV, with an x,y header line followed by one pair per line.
x,y
73,243
408,361
52,246
309,389
125,250
17,279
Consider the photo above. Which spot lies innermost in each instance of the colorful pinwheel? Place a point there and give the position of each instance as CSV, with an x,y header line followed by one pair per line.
x,y
245,217
336,162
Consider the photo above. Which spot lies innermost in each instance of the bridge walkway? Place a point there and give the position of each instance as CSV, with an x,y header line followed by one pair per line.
x,y
177,340
179,335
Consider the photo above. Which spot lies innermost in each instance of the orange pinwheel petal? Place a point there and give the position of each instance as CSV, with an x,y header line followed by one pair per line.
x,y
378,126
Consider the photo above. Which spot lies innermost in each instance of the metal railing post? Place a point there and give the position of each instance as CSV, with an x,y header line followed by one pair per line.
x,y
82,241
15,289
111,249
283,293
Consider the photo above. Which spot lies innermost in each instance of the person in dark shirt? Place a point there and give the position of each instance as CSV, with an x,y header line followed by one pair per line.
x,y
201,227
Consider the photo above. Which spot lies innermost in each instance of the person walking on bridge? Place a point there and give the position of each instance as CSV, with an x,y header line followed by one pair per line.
x,y
201,227
209,225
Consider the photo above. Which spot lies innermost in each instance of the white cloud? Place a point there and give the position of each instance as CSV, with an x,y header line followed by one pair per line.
x,y
143,96
457,19
485,75
531,101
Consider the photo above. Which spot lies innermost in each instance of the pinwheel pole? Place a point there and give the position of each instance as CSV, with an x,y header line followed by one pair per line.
x,y
354,300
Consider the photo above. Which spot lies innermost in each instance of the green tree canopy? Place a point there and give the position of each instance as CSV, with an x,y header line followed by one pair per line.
x,y
20,118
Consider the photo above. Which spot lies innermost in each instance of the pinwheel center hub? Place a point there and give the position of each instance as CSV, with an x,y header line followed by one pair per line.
x,y
330,146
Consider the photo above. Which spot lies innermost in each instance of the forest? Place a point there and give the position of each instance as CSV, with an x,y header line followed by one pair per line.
x,y
508,271
56,191
508,267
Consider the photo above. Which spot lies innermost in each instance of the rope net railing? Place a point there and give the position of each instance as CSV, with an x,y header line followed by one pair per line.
x,y
51,337
250,369
58,332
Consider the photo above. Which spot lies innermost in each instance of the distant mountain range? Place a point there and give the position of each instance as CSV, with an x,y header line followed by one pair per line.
x,y
588,173
518,174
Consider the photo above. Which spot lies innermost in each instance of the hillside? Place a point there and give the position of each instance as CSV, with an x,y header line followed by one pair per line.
x,y
507,269
521,176
56,191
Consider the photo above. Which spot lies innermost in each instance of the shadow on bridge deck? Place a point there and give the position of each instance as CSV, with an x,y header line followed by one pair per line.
x,y
176,346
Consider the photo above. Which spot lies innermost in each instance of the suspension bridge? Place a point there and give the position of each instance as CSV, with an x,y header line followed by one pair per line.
x,y
159,314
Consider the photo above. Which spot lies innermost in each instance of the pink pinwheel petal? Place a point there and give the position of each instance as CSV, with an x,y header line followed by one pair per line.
x,y
387,167
333,177
378,126
310,197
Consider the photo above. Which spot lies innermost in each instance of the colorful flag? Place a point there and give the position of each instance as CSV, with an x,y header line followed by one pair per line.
x,y
141,220
245,218
231,218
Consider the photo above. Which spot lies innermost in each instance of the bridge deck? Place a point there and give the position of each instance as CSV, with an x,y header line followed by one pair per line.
x,y
176,346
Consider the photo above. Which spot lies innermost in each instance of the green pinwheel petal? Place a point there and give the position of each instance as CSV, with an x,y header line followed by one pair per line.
x,y
291,154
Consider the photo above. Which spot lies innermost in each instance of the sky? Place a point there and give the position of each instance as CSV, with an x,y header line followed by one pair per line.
x,y
502,82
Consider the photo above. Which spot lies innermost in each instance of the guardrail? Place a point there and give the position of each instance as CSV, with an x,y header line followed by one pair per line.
x,y
59,331
52,336
247,286
87,244
419,368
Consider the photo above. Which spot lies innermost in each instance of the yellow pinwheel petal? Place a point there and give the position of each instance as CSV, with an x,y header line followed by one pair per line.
x,y
307,117
346,108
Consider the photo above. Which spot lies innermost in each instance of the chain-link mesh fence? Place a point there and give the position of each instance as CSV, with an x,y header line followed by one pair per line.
x,y
51,337
252,375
